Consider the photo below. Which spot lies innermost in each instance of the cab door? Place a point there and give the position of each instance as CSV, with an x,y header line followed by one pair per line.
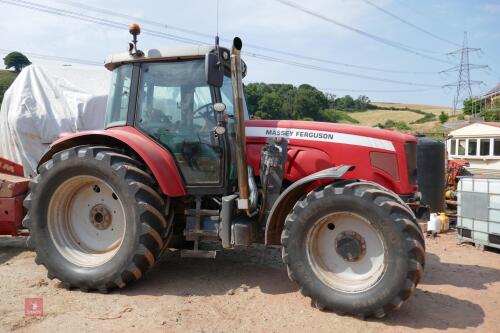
x,y
175,108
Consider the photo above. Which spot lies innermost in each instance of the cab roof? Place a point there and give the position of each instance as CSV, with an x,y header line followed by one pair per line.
x,y
180,52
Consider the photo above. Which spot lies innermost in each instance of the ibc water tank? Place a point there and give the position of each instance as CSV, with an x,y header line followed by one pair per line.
x,y
431,173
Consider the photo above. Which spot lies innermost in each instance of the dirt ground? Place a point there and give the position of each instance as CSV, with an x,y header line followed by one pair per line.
x,y
248,291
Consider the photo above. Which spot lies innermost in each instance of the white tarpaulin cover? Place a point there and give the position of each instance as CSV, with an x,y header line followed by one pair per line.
x,y
44,102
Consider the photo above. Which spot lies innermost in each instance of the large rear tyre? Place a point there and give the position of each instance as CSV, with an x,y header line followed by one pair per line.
x,y
94,218
354,249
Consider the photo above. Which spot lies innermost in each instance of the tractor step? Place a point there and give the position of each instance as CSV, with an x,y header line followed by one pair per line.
x,y
198,254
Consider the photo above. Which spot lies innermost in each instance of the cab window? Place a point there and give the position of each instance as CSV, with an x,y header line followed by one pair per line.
x,y
119,95
175,108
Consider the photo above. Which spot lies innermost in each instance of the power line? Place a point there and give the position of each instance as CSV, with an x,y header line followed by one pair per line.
x,y
334,71
56,58
426,32
93,19
363,90
494,61
249,45
409,23
96,63
397,45
118,25
413,9
378,90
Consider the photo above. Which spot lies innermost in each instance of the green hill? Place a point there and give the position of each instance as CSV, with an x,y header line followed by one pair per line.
x,y
6,79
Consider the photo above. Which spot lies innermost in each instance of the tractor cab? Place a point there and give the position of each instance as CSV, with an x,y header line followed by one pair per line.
x,y
169,95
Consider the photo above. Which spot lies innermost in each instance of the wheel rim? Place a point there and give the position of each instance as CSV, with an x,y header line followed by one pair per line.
x,y
86,221
346,252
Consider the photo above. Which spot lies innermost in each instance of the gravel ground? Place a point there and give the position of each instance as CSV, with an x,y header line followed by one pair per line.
x,y
248,291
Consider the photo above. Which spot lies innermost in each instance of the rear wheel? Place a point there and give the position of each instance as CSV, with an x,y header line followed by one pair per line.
x,y
86,221
353,249
95,220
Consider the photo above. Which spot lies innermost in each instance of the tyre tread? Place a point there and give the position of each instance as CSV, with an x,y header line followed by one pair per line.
x,y
153,226
398,212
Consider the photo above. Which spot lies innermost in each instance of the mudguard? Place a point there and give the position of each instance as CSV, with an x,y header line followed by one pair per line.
x,y
287,199
158,159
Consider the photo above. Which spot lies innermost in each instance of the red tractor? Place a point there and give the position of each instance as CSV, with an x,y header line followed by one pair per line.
x,y
180,163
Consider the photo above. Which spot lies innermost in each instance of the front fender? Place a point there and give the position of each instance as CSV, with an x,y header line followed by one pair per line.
x,y
157,158
287,199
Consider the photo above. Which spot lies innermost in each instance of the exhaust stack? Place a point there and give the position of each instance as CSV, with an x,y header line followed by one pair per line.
x,y
241,161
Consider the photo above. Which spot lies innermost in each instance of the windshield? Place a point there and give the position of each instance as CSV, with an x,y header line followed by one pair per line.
x,y
174,107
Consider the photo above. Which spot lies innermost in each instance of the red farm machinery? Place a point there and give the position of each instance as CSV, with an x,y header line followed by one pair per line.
x,y
180,163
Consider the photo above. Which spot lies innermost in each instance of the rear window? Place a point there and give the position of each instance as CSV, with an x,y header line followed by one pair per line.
x,y
119,95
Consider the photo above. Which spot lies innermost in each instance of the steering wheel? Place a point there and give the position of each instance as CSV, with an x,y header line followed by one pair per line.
x,y
198,114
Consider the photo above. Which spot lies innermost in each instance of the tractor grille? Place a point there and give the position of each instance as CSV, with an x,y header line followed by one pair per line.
x,y
411,161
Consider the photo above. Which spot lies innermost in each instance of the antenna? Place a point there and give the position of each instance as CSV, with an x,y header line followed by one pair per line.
x,y
217,15
217,32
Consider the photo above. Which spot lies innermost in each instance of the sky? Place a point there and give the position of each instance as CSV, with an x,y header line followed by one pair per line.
x,y
271,24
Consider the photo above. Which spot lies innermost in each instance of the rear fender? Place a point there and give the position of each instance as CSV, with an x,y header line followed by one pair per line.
x,y
157,158
291,195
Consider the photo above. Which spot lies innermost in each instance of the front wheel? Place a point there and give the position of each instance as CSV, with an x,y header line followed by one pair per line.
x,y
95,219
353,249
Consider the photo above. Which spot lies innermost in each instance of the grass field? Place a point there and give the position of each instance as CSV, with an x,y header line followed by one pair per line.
x,y
373,117
426,108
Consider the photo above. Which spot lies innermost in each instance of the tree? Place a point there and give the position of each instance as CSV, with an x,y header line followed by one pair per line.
x,y
270,104
443,117
16,60
344,103
402,126
361,103
308,102
284,101
399,125
493,113
6,79
467,106
331,100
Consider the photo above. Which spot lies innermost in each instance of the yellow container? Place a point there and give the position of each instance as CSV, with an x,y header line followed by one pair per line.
x,y
444,221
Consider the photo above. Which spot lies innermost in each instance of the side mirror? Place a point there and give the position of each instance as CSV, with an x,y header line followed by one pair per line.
x,y
214,70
